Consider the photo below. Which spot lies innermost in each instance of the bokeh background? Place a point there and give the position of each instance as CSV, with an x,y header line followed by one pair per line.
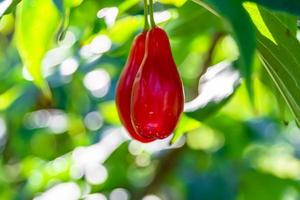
x,y
74,147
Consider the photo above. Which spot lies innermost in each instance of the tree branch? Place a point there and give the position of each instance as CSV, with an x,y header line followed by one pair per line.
x,y
207,62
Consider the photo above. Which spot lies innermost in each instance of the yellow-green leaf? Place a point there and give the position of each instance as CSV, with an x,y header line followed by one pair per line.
x,y
36,24
109,112
177,3
9,96
259,22
186,124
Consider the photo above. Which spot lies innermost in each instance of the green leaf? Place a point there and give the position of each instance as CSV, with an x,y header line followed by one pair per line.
x,y
278,186
216,87
291,6
36,24
281,56
184,26
242,29
283,110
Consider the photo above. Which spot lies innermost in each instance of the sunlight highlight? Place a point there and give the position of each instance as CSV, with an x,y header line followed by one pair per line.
x,y
93,121
4,5
163,16
119,194
65,191
96,196
96,174
99,45
68,66
55,120
97,82
109,14
216,84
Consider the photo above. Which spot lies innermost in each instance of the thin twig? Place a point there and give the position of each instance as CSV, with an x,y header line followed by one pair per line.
x,y
166,165
208,60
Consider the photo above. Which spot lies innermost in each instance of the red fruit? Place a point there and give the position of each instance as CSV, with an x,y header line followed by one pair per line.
x,y
157,93
124,87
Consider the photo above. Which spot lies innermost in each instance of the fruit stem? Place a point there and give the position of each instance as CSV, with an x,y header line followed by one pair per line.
x,y
152,22
146,25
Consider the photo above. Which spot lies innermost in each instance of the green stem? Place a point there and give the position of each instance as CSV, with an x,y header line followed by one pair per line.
x,y
146,25
152,22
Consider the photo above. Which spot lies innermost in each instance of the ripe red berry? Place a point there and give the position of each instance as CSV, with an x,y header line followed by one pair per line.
x,y
124,86
157,93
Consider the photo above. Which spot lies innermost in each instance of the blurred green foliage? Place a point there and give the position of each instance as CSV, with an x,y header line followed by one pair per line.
x,y
60,136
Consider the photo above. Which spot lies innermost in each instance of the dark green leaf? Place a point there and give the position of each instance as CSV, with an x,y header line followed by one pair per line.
x,y
291,6
242,29
185,25
280,53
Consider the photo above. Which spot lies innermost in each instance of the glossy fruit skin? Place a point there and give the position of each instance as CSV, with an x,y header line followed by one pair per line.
x,y
124,86
157,94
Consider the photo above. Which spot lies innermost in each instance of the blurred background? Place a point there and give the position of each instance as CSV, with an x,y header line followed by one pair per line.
x,y
74,147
